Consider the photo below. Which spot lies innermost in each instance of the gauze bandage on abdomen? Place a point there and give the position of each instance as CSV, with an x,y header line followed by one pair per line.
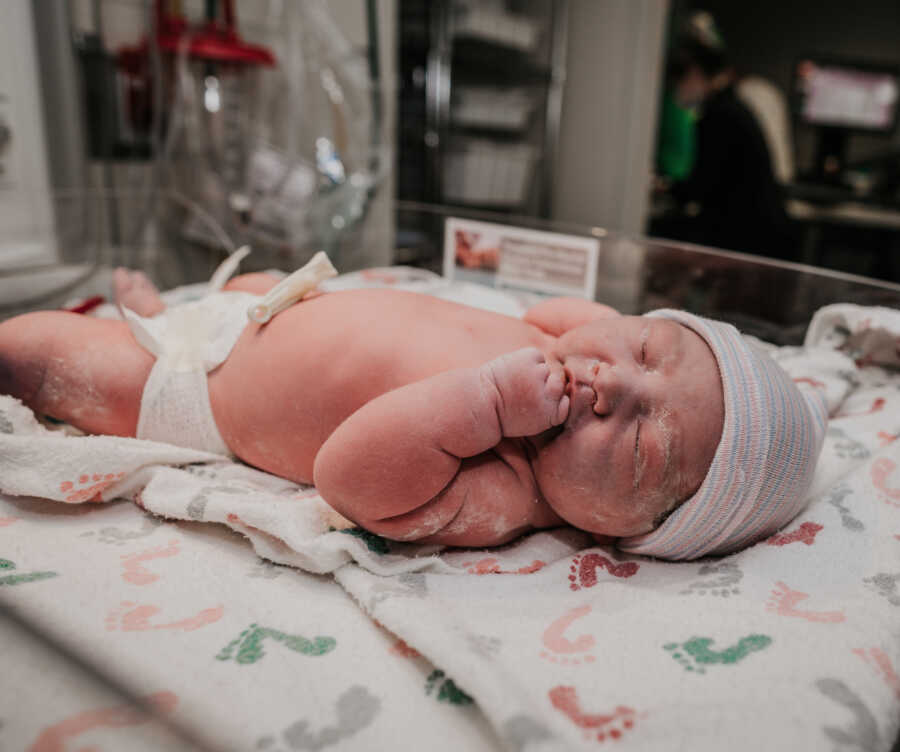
x,y
191,339
188,340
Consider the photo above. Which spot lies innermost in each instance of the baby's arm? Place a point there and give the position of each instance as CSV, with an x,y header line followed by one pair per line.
x,y
402,449
558,315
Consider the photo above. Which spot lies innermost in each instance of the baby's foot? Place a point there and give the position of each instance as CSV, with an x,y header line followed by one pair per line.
x,y
134,291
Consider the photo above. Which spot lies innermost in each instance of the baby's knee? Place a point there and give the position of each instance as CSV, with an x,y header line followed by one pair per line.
x,y
257,283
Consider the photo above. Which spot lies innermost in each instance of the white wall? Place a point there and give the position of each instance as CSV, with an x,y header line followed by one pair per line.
x,y
25,211
608,123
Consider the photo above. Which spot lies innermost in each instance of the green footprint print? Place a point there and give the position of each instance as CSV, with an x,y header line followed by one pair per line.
x,y
21,579
695,654
247,647
375,543
448,691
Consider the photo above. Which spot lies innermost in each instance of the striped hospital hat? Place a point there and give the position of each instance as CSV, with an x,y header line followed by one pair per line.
x,y
764,463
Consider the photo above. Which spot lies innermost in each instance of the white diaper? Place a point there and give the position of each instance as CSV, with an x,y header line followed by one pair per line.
x,y
191,339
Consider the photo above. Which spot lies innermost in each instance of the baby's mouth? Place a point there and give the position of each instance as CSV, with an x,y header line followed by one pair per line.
x,y
581,394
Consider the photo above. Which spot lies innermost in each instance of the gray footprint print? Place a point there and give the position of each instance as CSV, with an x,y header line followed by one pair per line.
x,y
836,499
848,447
885,584
861,735
118,536
719,579
355,709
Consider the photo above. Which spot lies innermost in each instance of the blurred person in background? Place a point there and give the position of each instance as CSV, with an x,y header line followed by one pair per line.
x,y
730,197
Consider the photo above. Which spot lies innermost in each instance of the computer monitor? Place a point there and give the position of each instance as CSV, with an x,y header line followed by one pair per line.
x,y
839,97
838,94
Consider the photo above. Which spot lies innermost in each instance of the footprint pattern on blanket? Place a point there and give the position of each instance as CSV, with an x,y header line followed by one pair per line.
x,y
601,726
558,648
882,469
375,543
134,571
406,585
847,447
806,533
836,499
7,521
248,648
876,406
583,570
88,487
134,617
196,508
491,565
7,577
784,601
119,536
355,709
880,662
861,735
521,731
266,570
54,738
483,645
720,579
445,689
885,584
696,655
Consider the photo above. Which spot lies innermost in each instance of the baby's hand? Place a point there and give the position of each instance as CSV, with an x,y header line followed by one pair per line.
x,y
532,392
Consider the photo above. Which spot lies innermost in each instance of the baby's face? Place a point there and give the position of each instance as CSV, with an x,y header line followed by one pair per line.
x,y
645,418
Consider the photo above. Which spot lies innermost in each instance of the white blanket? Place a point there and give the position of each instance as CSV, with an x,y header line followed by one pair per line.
x,y
794,643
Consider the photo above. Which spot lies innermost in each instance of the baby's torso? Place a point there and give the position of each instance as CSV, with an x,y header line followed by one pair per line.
x,y
313,365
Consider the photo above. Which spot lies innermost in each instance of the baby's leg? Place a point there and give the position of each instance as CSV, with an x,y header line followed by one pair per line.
x,y
87,372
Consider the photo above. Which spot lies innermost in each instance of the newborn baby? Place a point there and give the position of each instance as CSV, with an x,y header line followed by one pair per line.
x,y
424,420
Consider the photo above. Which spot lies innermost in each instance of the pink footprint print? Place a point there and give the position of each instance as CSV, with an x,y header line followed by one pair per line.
x,y
600,725
490,565
885,438
53,738
784,601
7,521
132,564
882,469
877,406
559,648
806,533
137,619
88,487
583,570
881,663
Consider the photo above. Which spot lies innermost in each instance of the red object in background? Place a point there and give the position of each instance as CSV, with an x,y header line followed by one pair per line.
x,y
215,41
89,304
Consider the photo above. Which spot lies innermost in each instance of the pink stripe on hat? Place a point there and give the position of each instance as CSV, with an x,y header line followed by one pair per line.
x,y
764,464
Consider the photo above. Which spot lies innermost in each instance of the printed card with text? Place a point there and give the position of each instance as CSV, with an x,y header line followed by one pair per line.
x,y
507,256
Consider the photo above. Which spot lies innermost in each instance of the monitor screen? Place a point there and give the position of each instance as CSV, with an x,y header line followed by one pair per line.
x,y
845,96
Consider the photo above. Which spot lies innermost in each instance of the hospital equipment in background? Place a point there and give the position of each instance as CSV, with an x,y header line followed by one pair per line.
x,y
840,97
481,94
188,141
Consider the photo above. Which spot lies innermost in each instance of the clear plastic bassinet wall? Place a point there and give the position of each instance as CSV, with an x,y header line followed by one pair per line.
x,y
209,125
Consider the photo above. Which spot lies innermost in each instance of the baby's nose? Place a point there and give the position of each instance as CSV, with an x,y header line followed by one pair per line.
x,y
609,388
